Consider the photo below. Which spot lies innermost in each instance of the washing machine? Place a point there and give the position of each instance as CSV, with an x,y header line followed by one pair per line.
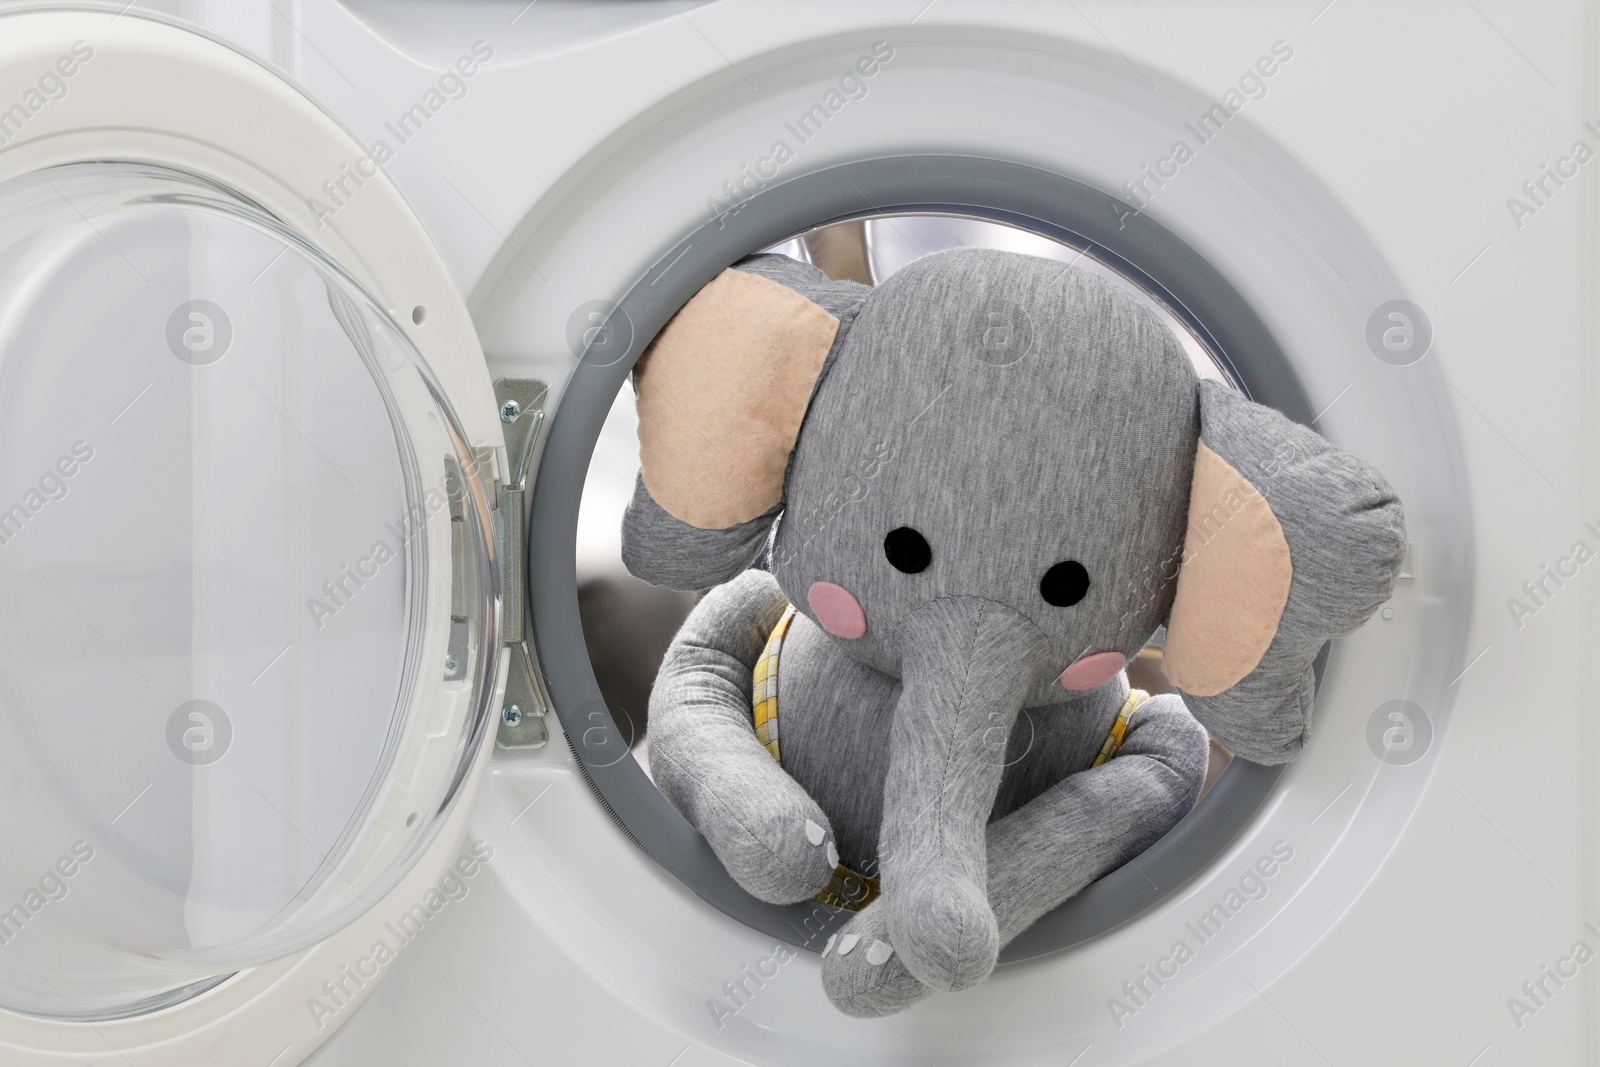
x,y
324,739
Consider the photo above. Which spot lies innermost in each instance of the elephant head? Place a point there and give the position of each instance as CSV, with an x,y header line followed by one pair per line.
x,y
993,477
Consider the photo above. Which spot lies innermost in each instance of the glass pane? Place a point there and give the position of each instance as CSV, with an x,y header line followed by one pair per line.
x,y
222,499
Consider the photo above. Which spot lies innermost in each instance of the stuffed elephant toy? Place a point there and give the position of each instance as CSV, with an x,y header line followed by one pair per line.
x,y
936,517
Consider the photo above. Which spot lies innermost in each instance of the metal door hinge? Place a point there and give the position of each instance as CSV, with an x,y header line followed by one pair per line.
x,y
522,714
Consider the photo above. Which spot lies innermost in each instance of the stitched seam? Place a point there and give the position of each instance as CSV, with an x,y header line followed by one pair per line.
x,y
966,688
986,600
1055,650
949,758
875,982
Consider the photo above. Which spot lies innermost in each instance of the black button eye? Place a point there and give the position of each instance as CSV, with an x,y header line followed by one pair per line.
x,y
1064,584
907,550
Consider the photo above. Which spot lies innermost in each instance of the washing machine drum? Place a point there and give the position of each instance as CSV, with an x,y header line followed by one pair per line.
x,y
250,639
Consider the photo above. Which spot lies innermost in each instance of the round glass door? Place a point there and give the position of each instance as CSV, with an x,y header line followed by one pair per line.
x,y
248,593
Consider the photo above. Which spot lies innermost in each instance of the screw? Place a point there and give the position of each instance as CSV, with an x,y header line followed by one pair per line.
x,y
510,411
511,715
450,664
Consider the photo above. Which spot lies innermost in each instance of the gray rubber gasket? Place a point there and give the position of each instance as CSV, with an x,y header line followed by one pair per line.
x,y
1033,199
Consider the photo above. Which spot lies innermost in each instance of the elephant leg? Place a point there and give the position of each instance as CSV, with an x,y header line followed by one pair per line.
x,y
771,836
1046,851
1093,822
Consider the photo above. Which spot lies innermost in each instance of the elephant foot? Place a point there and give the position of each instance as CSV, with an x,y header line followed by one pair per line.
x,y
785,859
944,930
778,846
861,972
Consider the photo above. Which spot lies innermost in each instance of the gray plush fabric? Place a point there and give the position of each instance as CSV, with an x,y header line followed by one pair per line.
x,y
664,550
1017,413
836,717
965,672
1088,823
1346,535
707,761
1057,825
1005,469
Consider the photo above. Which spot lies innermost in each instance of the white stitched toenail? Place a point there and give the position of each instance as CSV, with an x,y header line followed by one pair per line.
x,y
878,953
813,832
829,946
848,942
833,855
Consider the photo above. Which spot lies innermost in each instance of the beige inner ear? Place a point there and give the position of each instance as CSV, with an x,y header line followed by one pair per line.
x,y
721,395
1233,585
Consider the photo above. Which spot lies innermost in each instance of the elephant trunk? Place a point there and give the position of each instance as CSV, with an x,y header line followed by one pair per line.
x,y
966,667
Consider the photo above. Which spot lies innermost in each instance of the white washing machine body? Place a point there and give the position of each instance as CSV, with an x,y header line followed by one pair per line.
x,y
1401,199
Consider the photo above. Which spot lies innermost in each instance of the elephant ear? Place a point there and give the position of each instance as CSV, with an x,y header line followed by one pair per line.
x,y
1290,542
721,393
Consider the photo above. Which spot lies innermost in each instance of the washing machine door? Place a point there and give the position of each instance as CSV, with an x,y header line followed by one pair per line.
x,y
250,596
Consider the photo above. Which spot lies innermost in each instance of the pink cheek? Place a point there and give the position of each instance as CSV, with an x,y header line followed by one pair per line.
x,y
837,610
1092,671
